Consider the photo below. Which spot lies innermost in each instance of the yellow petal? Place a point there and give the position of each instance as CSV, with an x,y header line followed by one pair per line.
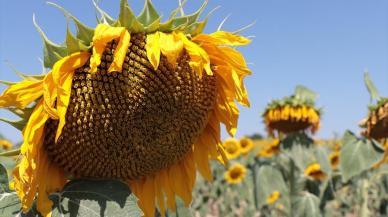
x,y
199,59
172,46
144,189
21,94
153,49
201,157
179,183
104,34
222,38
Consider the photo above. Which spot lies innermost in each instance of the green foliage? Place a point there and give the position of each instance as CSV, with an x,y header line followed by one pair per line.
x,y
373,92
307,205
358,155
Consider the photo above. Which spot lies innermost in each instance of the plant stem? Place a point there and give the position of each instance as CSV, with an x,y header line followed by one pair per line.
x,y
364,206
254,170
292,186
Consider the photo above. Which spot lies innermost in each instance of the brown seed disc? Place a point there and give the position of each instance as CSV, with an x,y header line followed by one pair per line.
x,y
289,126
377,123
132,123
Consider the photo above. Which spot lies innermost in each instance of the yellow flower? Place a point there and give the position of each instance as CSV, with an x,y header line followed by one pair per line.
x,y
135,100
232,148
246,145
376,124
289,119
5,144
273,197
334,159
235,174
314,171
270,149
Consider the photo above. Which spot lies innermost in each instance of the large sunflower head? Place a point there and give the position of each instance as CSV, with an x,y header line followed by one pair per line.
x,y
235,174
293,113
134,99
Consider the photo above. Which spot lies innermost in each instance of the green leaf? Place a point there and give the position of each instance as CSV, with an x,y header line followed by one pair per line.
x,y
269,179
87,197
306,205
357,155
148,15
373,92
9,204
322,157
181,209
52,52
127,18
84,32
25,76
4,187
302,93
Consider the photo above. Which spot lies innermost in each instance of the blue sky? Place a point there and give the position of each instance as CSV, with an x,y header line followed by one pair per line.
x,y
325,45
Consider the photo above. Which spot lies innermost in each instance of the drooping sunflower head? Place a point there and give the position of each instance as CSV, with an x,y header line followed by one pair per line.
x,y
314,172
246,145
294,113
376,123
235,174
232,148
134,99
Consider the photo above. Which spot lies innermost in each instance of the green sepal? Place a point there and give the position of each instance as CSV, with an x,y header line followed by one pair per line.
x,y
20,124
149,15
105,17
24,76
373,92
74,44
84,32
7,83
197,27
128,19
11,153
52,52
23,113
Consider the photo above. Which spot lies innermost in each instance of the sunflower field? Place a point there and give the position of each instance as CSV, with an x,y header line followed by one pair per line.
x,y
127,118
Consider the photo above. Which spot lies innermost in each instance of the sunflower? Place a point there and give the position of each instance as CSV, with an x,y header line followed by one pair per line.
x,y
273,197
294,113
235,174
5,144
134,99
314,171
334,159
376,124
270,149
232,148
246,145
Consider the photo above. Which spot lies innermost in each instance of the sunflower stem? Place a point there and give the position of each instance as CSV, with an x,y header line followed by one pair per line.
x,y
254,170
292,187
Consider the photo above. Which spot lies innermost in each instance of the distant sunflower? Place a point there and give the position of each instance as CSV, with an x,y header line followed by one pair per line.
x,y
5,144
273,197
246,145
334,159
235,174
232,148
270,149
292,114
132,99
314,171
